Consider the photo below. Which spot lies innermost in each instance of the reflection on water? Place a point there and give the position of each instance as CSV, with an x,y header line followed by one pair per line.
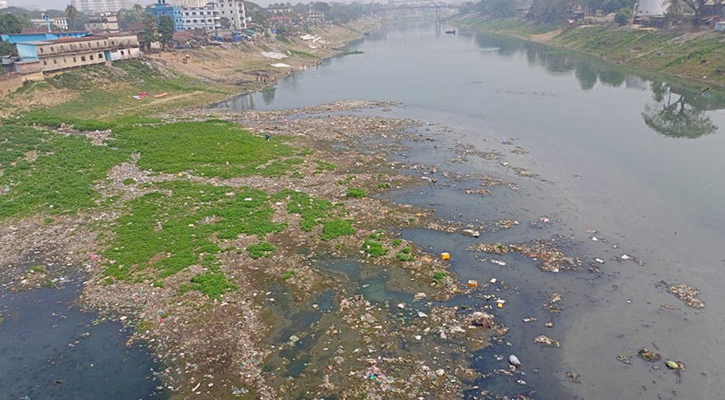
x,y
676,110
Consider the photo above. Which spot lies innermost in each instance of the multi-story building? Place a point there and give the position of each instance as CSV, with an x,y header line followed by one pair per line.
x,y
206,18
161,8
100,6
190,3
68,52
60,23
3,4
236,13
104,23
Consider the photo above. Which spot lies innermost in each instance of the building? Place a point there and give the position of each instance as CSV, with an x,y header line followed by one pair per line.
x,y
161,8
69,52
315,17
279,8
104,23
3,4
14,38
190,3
236,13
60,23
97,7
651,8
206,18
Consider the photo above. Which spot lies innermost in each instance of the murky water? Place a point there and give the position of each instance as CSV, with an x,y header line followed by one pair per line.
x,y
634,157
50,349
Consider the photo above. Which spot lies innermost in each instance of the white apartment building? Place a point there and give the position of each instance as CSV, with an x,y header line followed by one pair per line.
x,y
100,6
236,13
206,17
3,4
189,3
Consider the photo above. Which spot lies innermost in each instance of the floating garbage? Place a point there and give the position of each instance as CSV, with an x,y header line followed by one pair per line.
x,y
545,340
649,355
513,360
445,256
472,283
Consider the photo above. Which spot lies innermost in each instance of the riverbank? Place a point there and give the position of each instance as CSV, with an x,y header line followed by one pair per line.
x,y
693,56
177,79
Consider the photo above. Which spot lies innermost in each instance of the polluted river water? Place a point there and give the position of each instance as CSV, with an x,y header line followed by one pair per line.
x,y
625,170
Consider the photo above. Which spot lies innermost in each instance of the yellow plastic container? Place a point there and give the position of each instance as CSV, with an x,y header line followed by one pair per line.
x,y
445,256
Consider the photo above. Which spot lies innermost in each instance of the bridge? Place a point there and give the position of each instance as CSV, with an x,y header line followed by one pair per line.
x,y
416,4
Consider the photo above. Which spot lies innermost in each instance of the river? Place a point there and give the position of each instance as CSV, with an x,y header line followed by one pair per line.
x,y
637,158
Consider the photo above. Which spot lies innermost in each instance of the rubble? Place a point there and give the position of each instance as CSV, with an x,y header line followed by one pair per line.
x,y
546,252
686,293
545,340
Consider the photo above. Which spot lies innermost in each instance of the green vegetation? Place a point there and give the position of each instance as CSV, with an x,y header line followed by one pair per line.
x,y
312,210
373,247
356,193
405,254
129,181
49,172
397,242
439,276
259,250
289,274
170,232
350,53
37,269
207,148
212,284
324,166
302,54
337,227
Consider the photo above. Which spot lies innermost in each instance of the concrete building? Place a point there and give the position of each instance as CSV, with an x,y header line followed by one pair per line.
x,y
104,23
96,7
236,13
190,3
161,8
3,4
69,52
60,23
206,18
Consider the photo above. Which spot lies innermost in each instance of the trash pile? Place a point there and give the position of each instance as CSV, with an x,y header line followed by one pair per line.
x,y
688,294
550,257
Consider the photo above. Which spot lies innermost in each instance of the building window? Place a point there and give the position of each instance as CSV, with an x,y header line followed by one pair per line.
x,y
112,43
51,48
83,58
64,60
74,59
91,57
55,61
41,49
122,53
61,47
45,63
100,56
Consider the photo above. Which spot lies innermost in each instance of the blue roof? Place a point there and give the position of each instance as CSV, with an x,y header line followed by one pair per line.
x,y
35,37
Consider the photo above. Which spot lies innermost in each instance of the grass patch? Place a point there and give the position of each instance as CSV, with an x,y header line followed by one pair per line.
x,y
439,276
59,180
212,284
170,232
129,181
356,193
374,248
289,274
206,148
302,54
312,210
323,166
38,269
259,250
337,227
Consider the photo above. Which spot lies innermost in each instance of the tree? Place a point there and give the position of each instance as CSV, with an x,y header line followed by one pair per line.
x,y
149,35
623,16
128,17
71,13
10,23
166,29
695,5
6,48
498,8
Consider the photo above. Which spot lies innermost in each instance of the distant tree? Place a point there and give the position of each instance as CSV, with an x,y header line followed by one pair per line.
x,y
149,34
674,116
71,13
10,23
166,29
6,48
548,11
623,16
128,17
498,8
695,5
322,7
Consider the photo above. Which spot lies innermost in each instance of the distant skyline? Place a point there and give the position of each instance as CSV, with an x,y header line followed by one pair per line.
x,y
62,4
